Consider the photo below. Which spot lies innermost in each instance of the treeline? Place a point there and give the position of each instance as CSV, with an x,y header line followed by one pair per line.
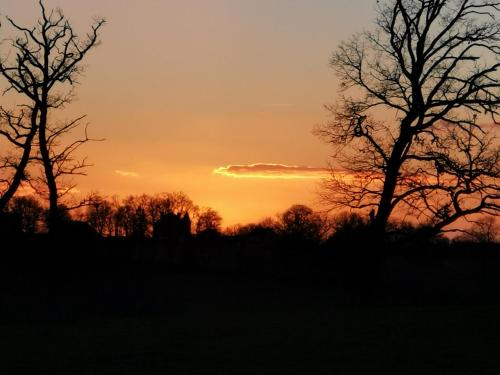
x,y
135,217
150,236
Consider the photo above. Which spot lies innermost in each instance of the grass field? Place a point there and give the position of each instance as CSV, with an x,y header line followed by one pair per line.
x,y
219,325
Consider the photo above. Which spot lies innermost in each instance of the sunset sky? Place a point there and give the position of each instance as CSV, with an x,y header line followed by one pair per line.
x,y
216,98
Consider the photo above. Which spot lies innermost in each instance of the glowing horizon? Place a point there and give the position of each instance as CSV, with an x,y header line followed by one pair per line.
x,y
195,87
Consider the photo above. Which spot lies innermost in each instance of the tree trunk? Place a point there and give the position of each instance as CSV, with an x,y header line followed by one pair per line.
x,y
385,205
21,167
390,182
53,216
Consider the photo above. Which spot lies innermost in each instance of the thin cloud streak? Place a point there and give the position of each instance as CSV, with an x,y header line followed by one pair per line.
x,y
273,171
127,174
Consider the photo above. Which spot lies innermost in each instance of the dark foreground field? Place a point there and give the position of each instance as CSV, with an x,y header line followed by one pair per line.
x,y
185,322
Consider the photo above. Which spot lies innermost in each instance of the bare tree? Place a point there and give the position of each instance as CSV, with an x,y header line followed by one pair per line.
x,y
64,162
485,230
46,58
208,220
137,213
100,216
131,217
414,130
18,129
181,204
28,210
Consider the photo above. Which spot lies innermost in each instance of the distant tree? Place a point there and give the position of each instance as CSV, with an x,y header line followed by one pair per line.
x,y
122,223
269,223
181,204
144,213
485,229
267,226
135,215
45,60
350,230
130,218
208,220
410,130
65,215
139,224
302,222
156,206
100,216
349,222
165,203
29,211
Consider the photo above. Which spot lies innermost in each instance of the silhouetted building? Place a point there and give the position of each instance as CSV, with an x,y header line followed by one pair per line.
x,y
171,234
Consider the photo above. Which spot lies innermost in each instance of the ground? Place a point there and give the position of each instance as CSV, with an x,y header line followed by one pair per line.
x,y
219,324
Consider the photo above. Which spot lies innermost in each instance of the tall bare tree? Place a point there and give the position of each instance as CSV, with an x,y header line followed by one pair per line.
x,y
414,129
45,60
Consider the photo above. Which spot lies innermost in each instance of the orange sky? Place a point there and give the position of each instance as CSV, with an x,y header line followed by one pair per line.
x,y
180,88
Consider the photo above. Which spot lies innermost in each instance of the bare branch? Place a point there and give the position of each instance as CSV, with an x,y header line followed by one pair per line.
x,y
433,67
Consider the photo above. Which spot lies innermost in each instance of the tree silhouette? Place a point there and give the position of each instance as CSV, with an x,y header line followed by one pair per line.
x,y
19,130
146,210
484,230
43,61
100,216
301,222
208,220
29,211
414,130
